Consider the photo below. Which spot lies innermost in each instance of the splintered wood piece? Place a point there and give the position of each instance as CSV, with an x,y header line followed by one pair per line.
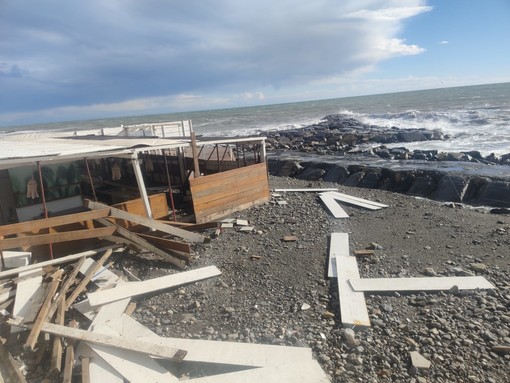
x,y
85,370
289,238
86,279
57,350
130,309
131,289
44,311
364,253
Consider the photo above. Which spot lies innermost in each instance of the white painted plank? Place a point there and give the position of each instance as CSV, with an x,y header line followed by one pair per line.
x,y
56,261
353,309
132,289
360,202
307,190
99,369
338,247
28,290
420,284
16,258
103,277
334,208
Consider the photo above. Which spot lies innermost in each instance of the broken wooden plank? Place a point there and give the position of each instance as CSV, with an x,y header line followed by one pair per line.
x,y
57,349
67,374
419,284
150,223
132,289
338,246
361,202
143,347
86,279
38,224
143,244
167,243
364,253
353,309
44,311
85,370
56,261
334,208
41,239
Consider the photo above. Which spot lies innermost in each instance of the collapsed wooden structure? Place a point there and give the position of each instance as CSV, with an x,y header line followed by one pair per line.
x,y
158,171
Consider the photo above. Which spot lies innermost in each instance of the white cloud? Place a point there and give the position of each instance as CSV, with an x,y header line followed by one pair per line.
x,y
443,42
100,55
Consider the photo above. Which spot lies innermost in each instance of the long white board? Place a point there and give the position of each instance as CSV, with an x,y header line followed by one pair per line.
x,y
131,289
419,284
334,208
338,246
353,308
367,204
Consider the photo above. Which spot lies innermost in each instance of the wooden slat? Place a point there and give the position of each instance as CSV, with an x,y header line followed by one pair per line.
x,y
307,190
149,348
159,206
231,196
132,289
333,207
41,239
211,215
143,244
353,309
44,311
419,284
25,227
150,223
86,279
251,169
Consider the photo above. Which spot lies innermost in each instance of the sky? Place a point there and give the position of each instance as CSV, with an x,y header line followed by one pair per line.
x,y
64,60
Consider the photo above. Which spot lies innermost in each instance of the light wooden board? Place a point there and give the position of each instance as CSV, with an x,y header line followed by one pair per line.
x,y
41,239
150,223
338,246
367,204
353,309
132,289
306,190
334,208
148,348
420,284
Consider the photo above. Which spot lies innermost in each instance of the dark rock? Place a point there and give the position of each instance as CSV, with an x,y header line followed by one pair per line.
x,y
496,193
336,174
354,179
370,180
422,186
311,174
450,188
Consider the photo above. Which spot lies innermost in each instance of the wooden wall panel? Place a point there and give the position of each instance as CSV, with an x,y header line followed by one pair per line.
x,y
217,195
158,203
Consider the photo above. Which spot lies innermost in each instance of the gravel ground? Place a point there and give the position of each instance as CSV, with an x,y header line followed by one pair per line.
x,y
277,292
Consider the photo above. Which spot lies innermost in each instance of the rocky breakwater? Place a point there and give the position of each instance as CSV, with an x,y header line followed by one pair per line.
x,y
343,150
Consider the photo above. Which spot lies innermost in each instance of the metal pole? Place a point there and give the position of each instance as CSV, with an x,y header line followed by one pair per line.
x,y
170,192
45,208
90,179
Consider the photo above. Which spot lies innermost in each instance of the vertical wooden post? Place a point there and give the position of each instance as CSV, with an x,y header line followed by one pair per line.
x,y
170,191
196,167
141,184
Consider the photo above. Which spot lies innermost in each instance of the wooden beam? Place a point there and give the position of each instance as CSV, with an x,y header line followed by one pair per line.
x,y
132,289
167,243
353,308
143,347
44,311
306,190
86,279
38,224
333,207
143,244
419,284
150,223
57,349
85,370
40,239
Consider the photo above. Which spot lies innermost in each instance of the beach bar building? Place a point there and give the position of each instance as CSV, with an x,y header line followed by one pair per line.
x,y
159,171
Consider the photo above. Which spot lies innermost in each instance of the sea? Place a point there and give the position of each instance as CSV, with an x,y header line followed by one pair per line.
x,y
475,117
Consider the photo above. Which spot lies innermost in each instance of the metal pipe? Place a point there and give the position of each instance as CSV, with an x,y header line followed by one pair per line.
x,y
45,208
90,179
